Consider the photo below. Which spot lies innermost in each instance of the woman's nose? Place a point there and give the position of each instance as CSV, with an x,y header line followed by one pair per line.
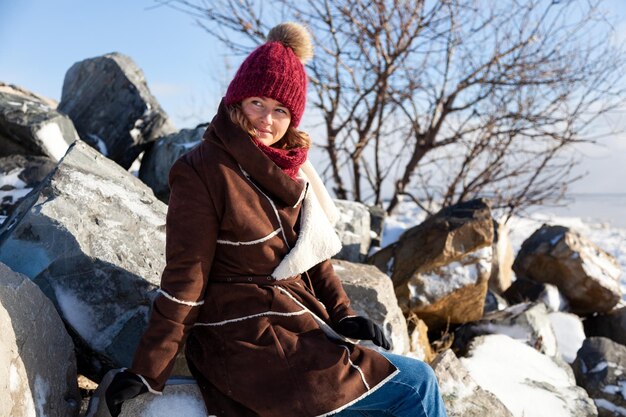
x,y
267,117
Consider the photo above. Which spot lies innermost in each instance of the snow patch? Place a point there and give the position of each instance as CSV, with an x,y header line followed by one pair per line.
x,y
607,405
14,378
113,191
448,278
100,143
12,180
42,391
517,373
569,332
52,138
175,405
79,315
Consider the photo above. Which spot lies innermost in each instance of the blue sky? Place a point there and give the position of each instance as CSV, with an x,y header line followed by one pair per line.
x,y
184,67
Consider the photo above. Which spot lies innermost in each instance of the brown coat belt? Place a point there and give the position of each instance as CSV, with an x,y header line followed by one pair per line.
x,y
252,279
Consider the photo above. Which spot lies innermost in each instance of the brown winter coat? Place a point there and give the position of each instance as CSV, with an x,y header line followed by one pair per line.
x,y
239,234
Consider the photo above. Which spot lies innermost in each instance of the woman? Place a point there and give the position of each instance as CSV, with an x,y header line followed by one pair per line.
x,y
248,283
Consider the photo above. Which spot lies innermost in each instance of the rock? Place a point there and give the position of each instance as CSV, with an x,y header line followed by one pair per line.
x,y
37,362
440,268
377,223
611,325
181,397
353,228
112,108
569,333
371,294
528,323
462,396
587,276
420,344
30,127
159,158
524,290
600,368
527,382
494,302
20,91
502,263
92,237
19,174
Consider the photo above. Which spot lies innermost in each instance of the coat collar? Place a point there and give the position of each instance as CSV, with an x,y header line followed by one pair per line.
x,y
262,170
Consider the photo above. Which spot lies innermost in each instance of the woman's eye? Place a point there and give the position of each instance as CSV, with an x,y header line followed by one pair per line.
x,y
282,111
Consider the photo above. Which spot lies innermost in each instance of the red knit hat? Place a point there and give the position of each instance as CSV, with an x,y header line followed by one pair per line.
x,y
275,70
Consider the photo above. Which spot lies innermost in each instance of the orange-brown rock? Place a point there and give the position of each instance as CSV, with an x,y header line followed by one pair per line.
x,y
586,275
440,268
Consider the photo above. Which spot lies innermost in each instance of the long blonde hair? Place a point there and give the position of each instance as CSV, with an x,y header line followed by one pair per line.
x,y
293,138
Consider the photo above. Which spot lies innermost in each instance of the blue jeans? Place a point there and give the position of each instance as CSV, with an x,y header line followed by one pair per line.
x,y
413,392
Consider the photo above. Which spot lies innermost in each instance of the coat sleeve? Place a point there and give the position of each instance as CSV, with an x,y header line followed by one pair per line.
x,y
191,235
328,289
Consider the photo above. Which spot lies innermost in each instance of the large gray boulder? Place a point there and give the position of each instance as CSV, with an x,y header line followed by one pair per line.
x,y
353,228
37,362
371,294
181,397
600,368
587,276
28,126
462,396
529,383
92,237
159,158
108,100
440,269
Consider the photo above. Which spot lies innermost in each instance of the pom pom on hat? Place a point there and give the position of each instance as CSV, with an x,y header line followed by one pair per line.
x,y
275,70
294,36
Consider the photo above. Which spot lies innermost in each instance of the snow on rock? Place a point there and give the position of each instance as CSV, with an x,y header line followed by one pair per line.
x,y
35,128
71,237
526,322
586,275
353,229
440,268
609,238
527,382
37,361
181,397
600,368
462,396
569,332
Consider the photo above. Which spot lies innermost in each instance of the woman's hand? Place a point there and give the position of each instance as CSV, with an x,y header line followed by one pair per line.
x,y
124,386
362,328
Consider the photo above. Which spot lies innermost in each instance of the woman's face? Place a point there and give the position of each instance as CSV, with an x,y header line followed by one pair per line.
x,y
268,117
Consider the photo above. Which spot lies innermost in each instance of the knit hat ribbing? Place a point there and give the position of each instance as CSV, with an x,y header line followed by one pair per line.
x,y
275,70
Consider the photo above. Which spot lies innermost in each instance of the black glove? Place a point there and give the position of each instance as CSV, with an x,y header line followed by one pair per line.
x,y
364,329
124,386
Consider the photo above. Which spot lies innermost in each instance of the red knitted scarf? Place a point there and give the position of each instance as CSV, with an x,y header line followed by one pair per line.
x,y
287,160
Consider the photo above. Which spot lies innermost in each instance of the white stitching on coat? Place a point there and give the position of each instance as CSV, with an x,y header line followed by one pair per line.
x,y
250,242
266,313
280,224
187,303
357,368
153,391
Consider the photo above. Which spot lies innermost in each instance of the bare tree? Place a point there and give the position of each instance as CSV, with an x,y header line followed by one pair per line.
x,y
447,100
